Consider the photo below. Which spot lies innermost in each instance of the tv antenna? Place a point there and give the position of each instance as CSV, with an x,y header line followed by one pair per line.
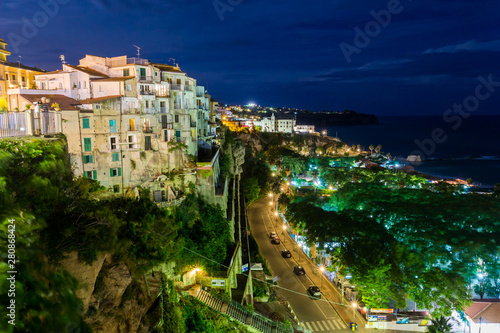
x,y
138,51
63,59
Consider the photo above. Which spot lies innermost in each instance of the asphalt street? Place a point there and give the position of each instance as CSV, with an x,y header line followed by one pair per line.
x,y
316,315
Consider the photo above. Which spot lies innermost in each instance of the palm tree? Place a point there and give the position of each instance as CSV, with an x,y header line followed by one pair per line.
x,y
371,149
440,325
378,149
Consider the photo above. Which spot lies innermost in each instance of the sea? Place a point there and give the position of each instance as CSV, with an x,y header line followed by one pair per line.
x,y
462,148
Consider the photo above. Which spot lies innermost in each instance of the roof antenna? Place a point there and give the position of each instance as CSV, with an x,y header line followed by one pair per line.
x,y
138,51
63,59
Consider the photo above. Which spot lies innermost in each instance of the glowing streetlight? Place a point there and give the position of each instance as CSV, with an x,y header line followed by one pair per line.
x,y
354,313
270,195
322,269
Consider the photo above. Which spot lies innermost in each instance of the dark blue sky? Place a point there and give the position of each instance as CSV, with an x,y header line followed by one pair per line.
x,y
284,53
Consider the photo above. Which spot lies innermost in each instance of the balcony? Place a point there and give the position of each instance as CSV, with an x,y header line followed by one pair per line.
x,y
137,61
132,128
163,109
149,110
176,86
193,124
145,78
160,93
147,92
188,88
131,110
147,129
177,106
167,125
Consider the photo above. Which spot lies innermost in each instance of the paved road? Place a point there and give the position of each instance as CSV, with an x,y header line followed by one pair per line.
x,y
316,315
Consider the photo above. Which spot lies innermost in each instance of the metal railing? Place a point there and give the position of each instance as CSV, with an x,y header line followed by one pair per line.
x,y
163,109
167,125
176,86
145,78
149,110
147,129
188,88
147,92
137,61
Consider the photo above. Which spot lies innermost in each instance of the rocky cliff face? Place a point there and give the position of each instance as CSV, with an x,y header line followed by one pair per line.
x,y
114,301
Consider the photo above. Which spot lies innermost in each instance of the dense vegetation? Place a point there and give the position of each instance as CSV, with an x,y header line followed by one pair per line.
x,y
56,213
402,237
397,234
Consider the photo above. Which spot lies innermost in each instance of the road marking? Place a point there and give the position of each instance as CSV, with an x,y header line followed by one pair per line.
x,y
333,324
320,326
313,325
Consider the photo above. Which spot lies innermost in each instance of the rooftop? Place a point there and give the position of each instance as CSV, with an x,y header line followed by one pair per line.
x,y
98,99
485,310
18,65
65,103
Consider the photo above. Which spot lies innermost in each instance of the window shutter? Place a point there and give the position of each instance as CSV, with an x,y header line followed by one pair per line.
x,y
119,171
94,174
111,172
91,159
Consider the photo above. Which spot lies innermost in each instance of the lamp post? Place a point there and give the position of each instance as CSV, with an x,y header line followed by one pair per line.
x,y
284,228
322,269
276,217
354,313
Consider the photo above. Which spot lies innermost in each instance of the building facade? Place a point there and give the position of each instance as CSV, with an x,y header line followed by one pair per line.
x,y
13,75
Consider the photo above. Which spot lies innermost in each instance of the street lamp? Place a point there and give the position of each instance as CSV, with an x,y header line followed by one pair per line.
x,y
276,216
284,228
322,269
354,313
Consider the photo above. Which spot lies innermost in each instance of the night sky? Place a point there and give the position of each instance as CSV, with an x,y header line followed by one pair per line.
x,y
422,59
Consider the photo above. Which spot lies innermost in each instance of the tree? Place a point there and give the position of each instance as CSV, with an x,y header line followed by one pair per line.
x,y
378,149
371,147
440,325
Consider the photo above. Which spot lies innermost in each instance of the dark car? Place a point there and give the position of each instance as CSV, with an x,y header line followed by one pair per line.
x,y
299,270
272,235
286,254
275,240
314,291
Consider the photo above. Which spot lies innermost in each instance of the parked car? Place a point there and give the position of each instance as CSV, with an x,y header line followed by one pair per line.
x,y
299,270
286,254
275,240
314,291
272,235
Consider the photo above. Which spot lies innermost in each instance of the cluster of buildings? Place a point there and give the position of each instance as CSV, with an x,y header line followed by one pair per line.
x,y
127,121
273,124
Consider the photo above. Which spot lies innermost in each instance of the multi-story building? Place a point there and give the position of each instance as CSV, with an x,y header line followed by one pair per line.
x,y
135,120
14,75
284,124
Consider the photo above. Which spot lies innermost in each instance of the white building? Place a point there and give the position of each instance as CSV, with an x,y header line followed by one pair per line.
x,y
273,124
304,129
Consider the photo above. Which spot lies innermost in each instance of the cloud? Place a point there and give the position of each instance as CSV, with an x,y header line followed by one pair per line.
x,y
470,45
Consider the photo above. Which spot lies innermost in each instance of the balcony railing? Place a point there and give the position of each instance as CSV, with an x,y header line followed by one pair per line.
x,y
188,88
131,110
147,129
163,109
167,125
176,87
147,92
145,78
193,124
132,128
149,110
177,106
160,93
137,61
